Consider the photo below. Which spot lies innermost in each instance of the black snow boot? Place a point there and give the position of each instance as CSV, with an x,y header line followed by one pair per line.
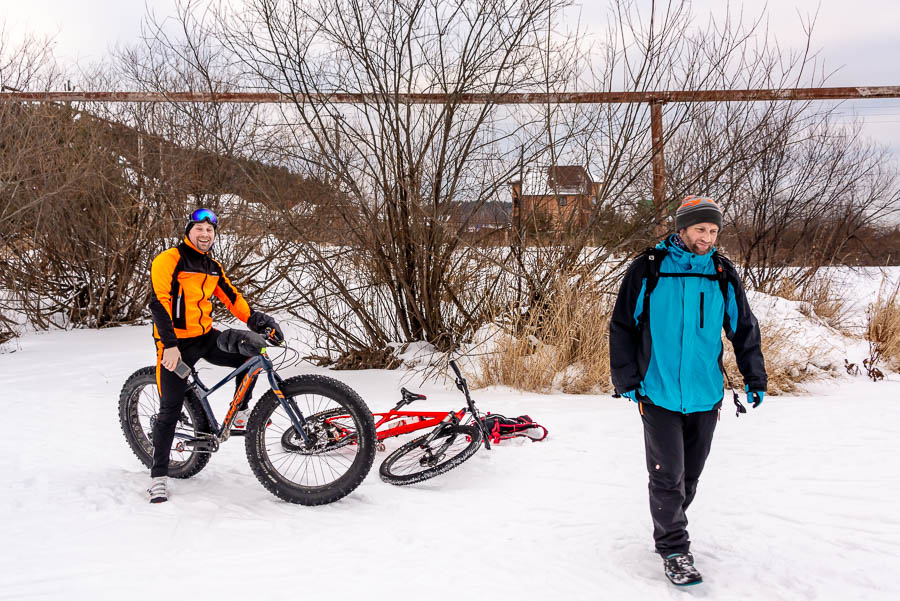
x,y
680,569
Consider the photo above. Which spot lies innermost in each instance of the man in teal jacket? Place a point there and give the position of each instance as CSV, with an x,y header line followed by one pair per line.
x,y
665,354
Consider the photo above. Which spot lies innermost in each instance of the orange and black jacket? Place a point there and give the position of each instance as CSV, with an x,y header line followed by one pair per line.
x,y
183,280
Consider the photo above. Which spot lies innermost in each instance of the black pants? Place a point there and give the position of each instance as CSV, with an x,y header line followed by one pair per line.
x,y
172,389
677,445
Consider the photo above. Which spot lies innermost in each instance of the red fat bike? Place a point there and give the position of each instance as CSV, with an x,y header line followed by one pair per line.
x,y
455,435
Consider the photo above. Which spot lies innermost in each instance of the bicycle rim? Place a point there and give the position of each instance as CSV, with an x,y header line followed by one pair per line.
x,y
145,407
416,461
331,426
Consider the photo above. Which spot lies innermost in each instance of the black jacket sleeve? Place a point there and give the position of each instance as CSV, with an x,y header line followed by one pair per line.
x,y
745,338
624,333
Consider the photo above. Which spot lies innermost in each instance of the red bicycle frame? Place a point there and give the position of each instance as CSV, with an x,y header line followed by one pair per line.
x,y
396,423
410,421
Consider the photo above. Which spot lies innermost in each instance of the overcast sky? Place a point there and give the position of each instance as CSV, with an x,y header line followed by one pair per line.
x,y
858,40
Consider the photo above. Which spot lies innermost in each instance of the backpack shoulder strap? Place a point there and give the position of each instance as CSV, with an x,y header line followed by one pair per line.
x,y
721,264
654,258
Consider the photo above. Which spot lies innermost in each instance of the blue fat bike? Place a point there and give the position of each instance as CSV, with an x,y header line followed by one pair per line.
x,y
294,452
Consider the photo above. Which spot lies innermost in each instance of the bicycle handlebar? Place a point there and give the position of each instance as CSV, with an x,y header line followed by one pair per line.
x,y
272,337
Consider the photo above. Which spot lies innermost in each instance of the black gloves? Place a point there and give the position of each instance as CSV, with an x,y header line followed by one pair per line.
x,y
263,324
241,342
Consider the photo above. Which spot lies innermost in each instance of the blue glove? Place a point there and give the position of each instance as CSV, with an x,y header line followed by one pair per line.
x,y
754,397
631,394
636,394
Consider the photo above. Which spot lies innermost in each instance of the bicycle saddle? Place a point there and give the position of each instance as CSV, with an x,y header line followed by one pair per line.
x,y
409,397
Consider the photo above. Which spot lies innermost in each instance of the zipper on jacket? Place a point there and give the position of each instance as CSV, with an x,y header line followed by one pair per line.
x,y
701,309
178,304
203,290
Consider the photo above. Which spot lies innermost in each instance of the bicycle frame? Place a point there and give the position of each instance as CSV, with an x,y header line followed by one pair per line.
x,y
253,366
424,419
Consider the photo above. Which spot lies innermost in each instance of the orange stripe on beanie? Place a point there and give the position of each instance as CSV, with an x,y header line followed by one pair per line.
x,y
697,209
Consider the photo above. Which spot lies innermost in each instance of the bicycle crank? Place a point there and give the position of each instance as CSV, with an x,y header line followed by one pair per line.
x,y
198,445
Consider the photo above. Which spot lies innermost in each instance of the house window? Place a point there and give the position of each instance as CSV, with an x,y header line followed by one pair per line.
x,y
562,201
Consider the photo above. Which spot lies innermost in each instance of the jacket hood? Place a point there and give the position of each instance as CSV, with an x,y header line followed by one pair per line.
x,y
682,258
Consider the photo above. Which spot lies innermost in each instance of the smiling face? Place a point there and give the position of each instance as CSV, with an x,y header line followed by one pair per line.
x,y
700,238
202,235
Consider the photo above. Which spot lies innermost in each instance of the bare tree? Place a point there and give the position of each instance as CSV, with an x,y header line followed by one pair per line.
x,y
365,220
24,140
709,146
403,272
805,198
94,191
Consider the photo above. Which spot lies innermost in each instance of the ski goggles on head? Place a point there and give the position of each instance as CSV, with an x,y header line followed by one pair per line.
x,y
204,215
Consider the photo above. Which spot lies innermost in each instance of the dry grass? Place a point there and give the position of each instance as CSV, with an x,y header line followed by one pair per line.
x,y
819,297
566,347
563,345
787,364
883,328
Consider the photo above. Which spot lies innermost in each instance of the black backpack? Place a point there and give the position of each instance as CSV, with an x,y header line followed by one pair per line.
x,y
655,258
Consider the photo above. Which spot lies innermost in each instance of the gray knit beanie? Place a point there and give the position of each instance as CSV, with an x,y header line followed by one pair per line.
x,y
697,209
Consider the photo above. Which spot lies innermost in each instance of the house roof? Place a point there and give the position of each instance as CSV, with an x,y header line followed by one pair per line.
x,y
556,179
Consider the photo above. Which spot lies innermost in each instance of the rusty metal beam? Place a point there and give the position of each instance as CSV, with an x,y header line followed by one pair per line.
x,y
659,167
844,93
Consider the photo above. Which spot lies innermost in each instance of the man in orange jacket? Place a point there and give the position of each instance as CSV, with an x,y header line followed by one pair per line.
x,y
184,279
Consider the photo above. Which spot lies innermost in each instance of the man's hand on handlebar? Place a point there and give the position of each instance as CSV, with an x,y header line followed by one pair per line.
x,y
263,324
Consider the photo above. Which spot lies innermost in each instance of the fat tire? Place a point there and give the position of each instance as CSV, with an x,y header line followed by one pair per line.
x,y
261,420
137,439
445,465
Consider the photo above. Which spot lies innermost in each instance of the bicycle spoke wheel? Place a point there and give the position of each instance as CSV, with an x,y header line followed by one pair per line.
x,y
342,432
416,461
138,408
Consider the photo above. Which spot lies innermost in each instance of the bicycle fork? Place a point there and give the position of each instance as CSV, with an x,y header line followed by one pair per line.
x,y
430,458
290,407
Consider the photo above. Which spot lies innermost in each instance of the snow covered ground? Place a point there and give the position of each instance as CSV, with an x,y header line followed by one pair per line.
x,y
798,500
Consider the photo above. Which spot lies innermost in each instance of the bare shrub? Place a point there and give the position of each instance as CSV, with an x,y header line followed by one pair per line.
x,y
92,192
883,327
7,330
561,344
24,65
77,236
564,347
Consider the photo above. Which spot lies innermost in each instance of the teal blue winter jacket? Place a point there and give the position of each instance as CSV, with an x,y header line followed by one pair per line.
x,y
672,356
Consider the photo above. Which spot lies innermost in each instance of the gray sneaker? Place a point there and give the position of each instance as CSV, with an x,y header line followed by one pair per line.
x,y
240,419
680,569
159,489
